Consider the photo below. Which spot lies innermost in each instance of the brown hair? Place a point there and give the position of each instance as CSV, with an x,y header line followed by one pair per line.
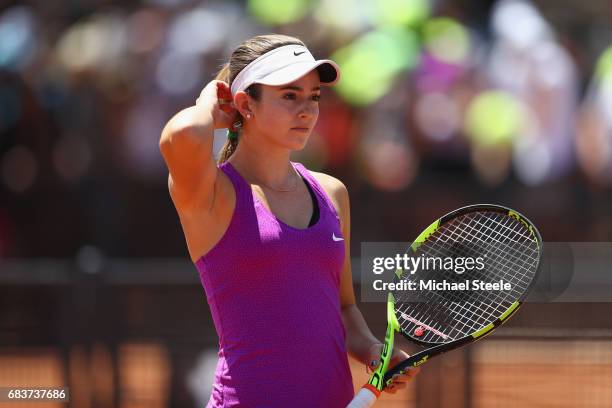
x,y
242,56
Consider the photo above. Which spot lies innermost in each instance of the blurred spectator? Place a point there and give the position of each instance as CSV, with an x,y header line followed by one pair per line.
x,y
430,100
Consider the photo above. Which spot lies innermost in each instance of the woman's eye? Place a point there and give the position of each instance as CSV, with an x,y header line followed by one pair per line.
x,y
292,96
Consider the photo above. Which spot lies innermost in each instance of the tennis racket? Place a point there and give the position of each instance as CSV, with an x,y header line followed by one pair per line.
x,y
510,248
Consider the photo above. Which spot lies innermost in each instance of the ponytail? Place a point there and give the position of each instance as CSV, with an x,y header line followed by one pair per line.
x,y
232,142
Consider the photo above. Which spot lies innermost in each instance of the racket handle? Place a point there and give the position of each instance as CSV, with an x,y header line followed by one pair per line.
x,y
365,398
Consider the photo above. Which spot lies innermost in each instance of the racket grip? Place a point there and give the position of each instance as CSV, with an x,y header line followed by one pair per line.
x,y
365,398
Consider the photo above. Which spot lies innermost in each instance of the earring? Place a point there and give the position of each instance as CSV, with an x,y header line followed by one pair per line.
x,y
248,115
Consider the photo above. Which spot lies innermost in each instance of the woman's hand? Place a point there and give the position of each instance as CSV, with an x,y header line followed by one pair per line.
x,y
399,380
217,97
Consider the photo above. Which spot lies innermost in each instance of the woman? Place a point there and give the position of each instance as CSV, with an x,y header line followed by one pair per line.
x,y
269,238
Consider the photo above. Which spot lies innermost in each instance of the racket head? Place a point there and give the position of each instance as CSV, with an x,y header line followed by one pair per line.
x,y
513,248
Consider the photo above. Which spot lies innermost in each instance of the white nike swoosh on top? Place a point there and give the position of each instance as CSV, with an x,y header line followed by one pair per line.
x,y
335,238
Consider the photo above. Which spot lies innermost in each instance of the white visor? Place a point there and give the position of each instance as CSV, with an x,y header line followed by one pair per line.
x,y
284,65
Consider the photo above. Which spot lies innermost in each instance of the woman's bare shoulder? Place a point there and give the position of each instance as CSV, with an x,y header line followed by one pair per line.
x,y
330,183
335,189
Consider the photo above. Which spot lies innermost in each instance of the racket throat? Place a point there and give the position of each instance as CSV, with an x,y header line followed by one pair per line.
x,y
376,380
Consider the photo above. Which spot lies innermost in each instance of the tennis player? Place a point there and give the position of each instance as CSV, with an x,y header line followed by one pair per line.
x,y
269,238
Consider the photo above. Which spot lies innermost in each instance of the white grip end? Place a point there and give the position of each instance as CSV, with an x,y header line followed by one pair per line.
x,y
363,399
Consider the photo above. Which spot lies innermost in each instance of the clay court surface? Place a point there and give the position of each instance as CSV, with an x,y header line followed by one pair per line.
x,y
505,373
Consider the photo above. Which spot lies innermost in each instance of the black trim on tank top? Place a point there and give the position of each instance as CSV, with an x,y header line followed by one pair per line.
x,y
315,206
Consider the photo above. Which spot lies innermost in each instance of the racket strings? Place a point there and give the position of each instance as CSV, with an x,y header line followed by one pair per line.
x,y
511,253
470,310
458,238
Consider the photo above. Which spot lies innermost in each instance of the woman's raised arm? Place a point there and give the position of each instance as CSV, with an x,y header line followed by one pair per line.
x,y
186,144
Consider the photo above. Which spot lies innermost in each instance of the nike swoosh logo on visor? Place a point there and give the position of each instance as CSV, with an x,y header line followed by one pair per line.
x,y
335,238
298,53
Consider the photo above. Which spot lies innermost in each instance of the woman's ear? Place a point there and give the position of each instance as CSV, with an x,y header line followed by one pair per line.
x,y
242,101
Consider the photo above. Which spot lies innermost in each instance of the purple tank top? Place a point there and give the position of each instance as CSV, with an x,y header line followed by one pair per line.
x,y
273,291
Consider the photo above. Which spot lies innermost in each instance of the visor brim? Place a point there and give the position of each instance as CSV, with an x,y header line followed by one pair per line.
x,y
329,73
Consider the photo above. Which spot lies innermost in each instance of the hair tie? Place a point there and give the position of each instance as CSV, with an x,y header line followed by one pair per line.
x,y
234,130
232,135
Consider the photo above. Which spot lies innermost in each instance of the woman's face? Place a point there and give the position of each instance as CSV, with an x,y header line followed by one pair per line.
x,y
285,115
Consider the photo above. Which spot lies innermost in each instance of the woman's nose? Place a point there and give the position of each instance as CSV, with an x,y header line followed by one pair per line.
x,y
308,110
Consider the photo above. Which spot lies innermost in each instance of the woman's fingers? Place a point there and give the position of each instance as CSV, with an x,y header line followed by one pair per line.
x,y
400,381
227,107
395,387
410,372
398,385
217,97
225,98
223,91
